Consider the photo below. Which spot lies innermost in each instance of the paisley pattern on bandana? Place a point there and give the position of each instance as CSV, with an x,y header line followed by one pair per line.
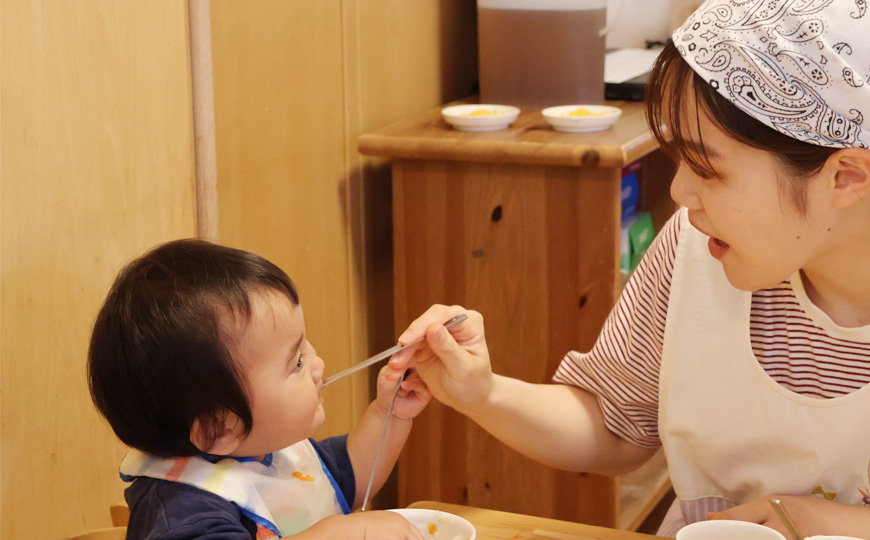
x,y
801,67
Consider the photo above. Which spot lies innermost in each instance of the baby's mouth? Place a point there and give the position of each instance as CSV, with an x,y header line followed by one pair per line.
x,y
719,242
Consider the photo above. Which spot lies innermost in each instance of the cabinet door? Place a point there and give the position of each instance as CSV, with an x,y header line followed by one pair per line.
x,y
535,250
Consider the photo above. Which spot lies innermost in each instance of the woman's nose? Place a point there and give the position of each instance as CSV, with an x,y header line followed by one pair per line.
x,y
684,188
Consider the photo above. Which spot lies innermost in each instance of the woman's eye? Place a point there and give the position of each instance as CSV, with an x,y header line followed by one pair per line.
x,y
299,364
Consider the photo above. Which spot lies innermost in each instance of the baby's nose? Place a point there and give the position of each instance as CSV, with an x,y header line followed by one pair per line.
x,y
317,368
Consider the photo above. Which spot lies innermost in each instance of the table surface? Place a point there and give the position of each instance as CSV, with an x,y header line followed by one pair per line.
x,y
496,525
528,140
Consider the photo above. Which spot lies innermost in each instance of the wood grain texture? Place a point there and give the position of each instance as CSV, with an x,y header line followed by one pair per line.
x,y
97,166
535,250
523,226
497,525
205,152
295,84
529,140
282,189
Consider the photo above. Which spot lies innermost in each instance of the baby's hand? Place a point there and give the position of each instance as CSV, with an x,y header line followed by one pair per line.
x,y
454,363
382,525
413,396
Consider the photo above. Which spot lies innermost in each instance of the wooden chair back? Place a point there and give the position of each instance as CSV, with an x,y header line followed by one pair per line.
x,y
120,513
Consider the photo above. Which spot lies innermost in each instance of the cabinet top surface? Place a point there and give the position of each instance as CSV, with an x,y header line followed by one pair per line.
x,y
529,140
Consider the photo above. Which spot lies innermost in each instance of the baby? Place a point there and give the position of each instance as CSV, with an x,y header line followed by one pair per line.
x,y
200,362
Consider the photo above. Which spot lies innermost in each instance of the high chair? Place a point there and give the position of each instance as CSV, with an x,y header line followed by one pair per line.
x,y
112,533
120,513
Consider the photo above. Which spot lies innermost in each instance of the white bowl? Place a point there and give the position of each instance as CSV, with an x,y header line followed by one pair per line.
x,y
827,537
724,529
594,118
447,526
480,117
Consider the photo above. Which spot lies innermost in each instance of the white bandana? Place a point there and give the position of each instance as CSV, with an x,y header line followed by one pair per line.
x,y
801,67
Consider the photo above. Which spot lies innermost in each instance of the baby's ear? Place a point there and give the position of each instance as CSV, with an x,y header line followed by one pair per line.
x,y
229,433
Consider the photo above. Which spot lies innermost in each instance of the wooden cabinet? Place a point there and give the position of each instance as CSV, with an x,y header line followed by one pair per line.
x,y
523,226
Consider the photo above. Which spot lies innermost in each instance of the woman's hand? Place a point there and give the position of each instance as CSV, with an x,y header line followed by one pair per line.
x,y
811,515
454,362
412,398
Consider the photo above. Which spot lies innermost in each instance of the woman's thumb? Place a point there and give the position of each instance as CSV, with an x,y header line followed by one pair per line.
x,y
443,345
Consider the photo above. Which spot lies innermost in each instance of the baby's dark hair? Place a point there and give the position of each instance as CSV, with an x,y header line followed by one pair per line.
x,y
667,105
157,361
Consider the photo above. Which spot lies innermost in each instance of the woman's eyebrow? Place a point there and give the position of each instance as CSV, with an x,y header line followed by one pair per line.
x,y
701,149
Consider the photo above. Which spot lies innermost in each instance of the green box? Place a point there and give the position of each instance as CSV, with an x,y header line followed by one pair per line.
x,y
636,235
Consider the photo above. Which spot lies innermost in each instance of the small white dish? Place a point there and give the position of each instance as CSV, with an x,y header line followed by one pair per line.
x,y
827,537
445,526
724,529
480,117
581,118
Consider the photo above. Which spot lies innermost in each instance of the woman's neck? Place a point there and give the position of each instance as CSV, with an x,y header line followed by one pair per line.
x,y
846,299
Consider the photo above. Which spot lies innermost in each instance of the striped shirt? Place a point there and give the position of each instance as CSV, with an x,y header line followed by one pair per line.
x,y
804,352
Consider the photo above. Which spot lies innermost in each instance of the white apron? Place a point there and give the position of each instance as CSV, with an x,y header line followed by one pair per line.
x,y
289,491
730,432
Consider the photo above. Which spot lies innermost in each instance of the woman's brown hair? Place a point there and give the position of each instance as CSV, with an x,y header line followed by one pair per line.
x,y
673,81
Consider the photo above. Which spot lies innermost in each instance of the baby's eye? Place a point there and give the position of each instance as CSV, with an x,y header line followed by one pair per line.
x,y
299,364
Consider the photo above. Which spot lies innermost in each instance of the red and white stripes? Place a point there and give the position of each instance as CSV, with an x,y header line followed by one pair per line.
x,y
623,366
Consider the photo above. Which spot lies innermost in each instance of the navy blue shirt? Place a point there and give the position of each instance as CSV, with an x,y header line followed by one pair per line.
x,y
166,510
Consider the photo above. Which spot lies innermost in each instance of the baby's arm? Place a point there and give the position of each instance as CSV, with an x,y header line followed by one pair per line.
x,y
363,441
811,515
557,425
361,526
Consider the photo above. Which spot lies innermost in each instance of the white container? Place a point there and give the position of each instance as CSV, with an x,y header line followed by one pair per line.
x,y
480,117
825,537
444,526
541,53
581,118
723,529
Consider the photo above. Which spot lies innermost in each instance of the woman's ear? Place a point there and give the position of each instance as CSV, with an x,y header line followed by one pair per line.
x,y
227,438
850,180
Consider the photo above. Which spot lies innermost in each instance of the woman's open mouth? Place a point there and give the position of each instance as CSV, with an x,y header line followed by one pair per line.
x,y
717,247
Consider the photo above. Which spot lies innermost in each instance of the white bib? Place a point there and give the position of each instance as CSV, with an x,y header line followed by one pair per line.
x,y
289,491
729,431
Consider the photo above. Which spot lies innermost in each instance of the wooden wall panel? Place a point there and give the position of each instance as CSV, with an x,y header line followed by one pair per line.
x,y
282,187
295,85
400,58
96,165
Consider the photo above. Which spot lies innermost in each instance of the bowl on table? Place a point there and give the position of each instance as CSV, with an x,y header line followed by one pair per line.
x,y
438,525
723,529
581,118
828,537
480,117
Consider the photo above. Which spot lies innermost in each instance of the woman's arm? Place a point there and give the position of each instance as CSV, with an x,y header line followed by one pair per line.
x,y
811,515
557,425
560,426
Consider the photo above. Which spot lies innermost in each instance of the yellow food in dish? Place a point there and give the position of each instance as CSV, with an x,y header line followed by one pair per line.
x,y
584,112
482,112
302,476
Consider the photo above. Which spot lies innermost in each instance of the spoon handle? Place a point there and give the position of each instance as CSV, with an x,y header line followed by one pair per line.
x,y
786,519
381,444
386,354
